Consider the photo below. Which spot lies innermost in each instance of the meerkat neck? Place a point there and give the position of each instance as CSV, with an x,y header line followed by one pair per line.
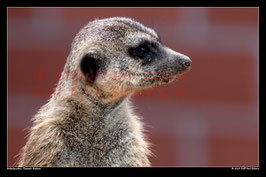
x,y
92,96
105,106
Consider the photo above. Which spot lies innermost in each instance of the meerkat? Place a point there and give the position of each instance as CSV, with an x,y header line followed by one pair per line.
x,y
89,120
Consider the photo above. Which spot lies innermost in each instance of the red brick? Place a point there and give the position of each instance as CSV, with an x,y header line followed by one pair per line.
x,y
20,12
234,15
233,151
21,76
87,14
16,140
164,148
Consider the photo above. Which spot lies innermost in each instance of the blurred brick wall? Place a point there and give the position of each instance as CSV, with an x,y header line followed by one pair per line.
x,y
214,124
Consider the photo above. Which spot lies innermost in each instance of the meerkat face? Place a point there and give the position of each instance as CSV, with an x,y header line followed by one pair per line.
x,y
155,63
120,55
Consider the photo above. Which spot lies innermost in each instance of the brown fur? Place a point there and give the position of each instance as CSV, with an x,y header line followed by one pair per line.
x,y
77,129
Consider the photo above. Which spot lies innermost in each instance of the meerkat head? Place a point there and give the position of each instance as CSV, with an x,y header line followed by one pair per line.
x,y
120,55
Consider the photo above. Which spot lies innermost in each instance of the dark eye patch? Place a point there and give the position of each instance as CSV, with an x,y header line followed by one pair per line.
x,y
142,51
146,51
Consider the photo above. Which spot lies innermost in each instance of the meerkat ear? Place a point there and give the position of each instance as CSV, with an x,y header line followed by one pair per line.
x,y
89,65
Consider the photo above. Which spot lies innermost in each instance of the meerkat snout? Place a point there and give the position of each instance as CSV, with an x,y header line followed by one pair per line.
x,y
181,61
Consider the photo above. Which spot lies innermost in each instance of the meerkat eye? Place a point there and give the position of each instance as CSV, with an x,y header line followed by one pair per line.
x,y
143,51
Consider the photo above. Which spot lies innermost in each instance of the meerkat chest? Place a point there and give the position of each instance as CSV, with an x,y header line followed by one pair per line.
x,y
103,142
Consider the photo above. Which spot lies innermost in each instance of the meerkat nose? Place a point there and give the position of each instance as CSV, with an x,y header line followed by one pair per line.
x,y
185,61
